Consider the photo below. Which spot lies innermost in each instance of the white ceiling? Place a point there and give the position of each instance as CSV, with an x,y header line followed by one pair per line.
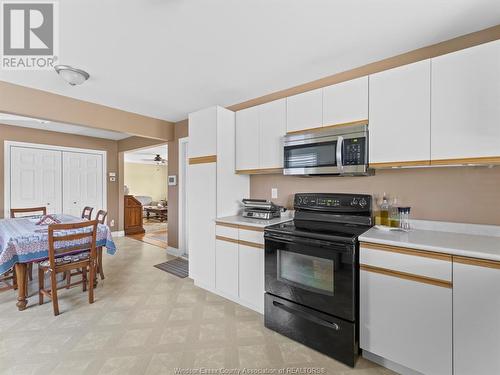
x,y
146,155
28,122
166,58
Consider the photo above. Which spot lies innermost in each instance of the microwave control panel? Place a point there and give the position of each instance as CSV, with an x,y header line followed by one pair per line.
x,y
354,151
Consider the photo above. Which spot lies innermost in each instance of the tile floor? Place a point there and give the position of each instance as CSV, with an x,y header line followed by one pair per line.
x,y
146,321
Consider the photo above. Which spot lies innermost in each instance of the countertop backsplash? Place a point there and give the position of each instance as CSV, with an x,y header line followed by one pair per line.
x,y
451,194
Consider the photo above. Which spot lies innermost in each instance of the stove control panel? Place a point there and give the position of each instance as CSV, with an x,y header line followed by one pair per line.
x,y
333,202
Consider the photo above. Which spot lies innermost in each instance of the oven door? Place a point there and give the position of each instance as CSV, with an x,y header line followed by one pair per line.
x,y
317,274
311,156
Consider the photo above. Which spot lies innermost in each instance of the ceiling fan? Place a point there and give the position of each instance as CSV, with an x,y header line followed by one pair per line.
x,y
157,159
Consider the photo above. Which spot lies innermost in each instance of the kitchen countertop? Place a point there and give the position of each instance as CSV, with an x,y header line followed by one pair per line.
x,y
461,244
240,220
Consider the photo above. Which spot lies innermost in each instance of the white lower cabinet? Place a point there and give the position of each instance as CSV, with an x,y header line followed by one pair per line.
x,y
406,319
239,266
476,317
226,268
251,277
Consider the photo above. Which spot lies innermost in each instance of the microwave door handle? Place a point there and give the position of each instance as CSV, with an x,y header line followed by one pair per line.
x,y
340,144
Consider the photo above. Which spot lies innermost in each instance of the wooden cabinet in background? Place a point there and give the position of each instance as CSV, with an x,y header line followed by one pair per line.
x,y
133,216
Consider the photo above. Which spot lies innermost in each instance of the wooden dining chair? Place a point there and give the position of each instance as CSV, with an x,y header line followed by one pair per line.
x,y
8,280
87,212
28,212
25,212
63,260
101,218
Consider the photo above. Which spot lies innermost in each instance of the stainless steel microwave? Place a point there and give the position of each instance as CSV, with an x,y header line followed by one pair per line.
x,y
337,151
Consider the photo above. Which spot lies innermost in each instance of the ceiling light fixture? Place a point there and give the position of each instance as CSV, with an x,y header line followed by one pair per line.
x,y
72,75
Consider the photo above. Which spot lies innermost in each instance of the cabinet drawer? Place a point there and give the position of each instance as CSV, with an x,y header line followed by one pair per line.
x,y
253,236
225,231
407,261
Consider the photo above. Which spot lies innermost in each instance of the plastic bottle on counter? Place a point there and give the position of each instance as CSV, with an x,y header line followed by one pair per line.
x,y
384,211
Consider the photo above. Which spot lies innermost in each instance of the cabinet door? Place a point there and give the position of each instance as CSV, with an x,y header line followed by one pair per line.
x,y
400,110
201,223
466,103
407,322
272,130
304,111
203,133
251,277
476,318
226,265
247,139
35,179
345,102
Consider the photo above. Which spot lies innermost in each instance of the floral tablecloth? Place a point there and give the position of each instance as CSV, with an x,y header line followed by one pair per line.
x,y
22,241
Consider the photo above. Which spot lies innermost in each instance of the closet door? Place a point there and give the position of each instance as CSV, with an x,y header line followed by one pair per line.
x,y
35,178
82,182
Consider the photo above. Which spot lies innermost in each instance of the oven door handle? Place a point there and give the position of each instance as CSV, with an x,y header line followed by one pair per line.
x,y
299,240
304,315
340,163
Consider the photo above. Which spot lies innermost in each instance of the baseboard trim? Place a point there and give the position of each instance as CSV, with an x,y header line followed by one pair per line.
x,y
118,233
174,251
396,367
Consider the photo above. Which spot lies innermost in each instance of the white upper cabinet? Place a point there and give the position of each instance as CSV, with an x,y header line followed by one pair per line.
x,y
305,111
345,102
400,101
272,130
466,103
476,312
203,133
247,139
259,136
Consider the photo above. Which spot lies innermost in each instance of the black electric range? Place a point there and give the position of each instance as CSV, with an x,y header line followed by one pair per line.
x,y
312,272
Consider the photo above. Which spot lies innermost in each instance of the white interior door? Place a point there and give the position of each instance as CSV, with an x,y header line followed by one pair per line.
x,y
35,178
82,182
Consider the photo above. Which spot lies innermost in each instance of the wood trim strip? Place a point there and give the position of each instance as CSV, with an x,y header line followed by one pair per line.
x,y
399,164
229,225
442,48
203,159
260,171
477,262
406,251
227,239
248,227
482,160
239,226
251,244
407,276
326,127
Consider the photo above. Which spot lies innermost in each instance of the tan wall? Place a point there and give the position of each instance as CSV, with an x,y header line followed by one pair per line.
x,y
146,179
13,133
25,101
181,131
456,194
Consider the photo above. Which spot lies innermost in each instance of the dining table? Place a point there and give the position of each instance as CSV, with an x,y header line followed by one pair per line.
x,y
24,240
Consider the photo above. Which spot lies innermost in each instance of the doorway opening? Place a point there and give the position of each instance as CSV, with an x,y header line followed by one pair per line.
x,y
145,178
183,197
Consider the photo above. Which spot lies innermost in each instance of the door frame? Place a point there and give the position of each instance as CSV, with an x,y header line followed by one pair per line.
x,y
183,142
7,175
